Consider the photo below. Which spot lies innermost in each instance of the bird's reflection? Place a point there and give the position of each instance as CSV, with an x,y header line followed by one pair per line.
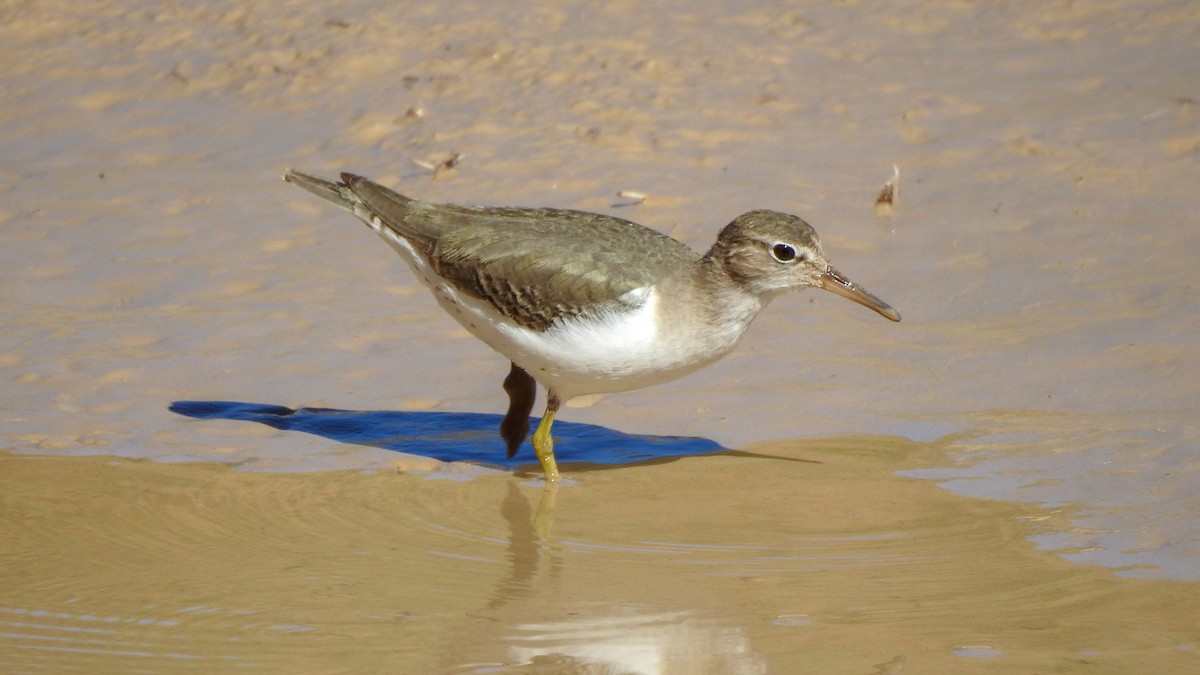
x,y
530,533
543,620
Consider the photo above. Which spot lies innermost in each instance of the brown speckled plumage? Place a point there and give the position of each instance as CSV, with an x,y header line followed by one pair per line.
x,y
534,265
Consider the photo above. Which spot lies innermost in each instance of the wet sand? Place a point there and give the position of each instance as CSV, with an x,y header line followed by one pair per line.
x,y
1034,416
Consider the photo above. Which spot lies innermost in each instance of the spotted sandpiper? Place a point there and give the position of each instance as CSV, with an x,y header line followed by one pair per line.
x,y
586,303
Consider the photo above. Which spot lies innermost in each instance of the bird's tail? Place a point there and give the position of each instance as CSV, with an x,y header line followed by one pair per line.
x,y
365,199
337,193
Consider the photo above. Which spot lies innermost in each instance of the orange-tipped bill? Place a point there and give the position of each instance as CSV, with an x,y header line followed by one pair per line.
x,y
832,280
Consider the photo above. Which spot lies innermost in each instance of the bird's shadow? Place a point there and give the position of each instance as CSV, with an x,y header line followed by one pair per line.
x,y
456,437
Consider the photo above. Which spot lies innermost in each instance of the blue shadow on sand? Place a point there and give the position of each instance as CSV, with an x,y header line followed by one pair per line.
x,y
455,437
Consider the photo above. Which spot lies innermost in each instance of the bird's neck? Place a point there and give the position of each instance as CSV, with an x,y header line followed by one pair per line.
x,y
728,307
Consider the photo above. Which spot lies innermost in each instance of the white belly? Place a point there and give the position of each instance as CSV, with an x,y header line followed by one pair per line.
x,y
616,352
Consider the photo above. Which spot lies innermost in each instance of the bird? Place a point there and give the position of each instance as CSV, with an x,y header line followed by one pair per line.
x,y
585,303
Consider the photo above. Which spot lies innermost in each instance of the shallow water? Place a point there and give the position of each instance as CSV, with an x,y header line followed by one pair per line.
x,y
1042,252
119,564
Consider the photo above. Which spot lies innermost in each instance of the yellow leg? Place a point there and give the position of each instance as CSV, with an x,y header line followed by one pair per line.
x,y
543,444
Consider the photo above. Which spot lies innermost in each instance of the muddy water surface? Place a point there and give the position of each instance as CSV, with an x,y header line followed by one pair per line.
x,y
835,565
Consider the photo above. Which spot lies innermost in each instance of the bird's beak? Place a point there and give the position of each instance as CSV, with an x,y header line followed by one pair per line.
x,y
832,280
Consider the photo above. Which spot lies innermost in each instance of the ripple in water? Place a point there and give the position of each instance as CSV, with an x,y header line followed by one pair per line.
x,y
716,564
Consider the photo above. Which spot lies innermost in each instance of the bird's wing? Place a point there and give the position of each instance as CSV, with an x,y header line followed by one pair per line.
x,y
534,266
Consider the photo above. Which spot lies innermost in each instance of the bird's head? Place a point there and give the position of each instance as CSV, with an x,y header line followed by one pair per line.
x,y
768,252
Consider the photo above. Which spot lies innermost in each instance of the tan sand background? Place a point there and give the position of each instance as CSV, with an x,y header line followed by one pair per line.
x,y
1043,252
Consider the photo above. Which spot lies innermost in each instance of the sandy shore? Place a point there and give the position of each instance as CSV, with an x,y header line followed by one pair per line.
x,y
1042,251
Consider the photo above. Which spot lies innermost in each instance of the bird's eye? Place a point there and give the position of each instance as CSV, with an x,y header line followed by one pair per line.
x,y
783,252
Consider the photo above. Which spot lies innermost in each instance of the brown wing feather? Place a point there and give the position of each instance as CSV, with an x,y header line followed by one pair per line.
x,y
534,266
